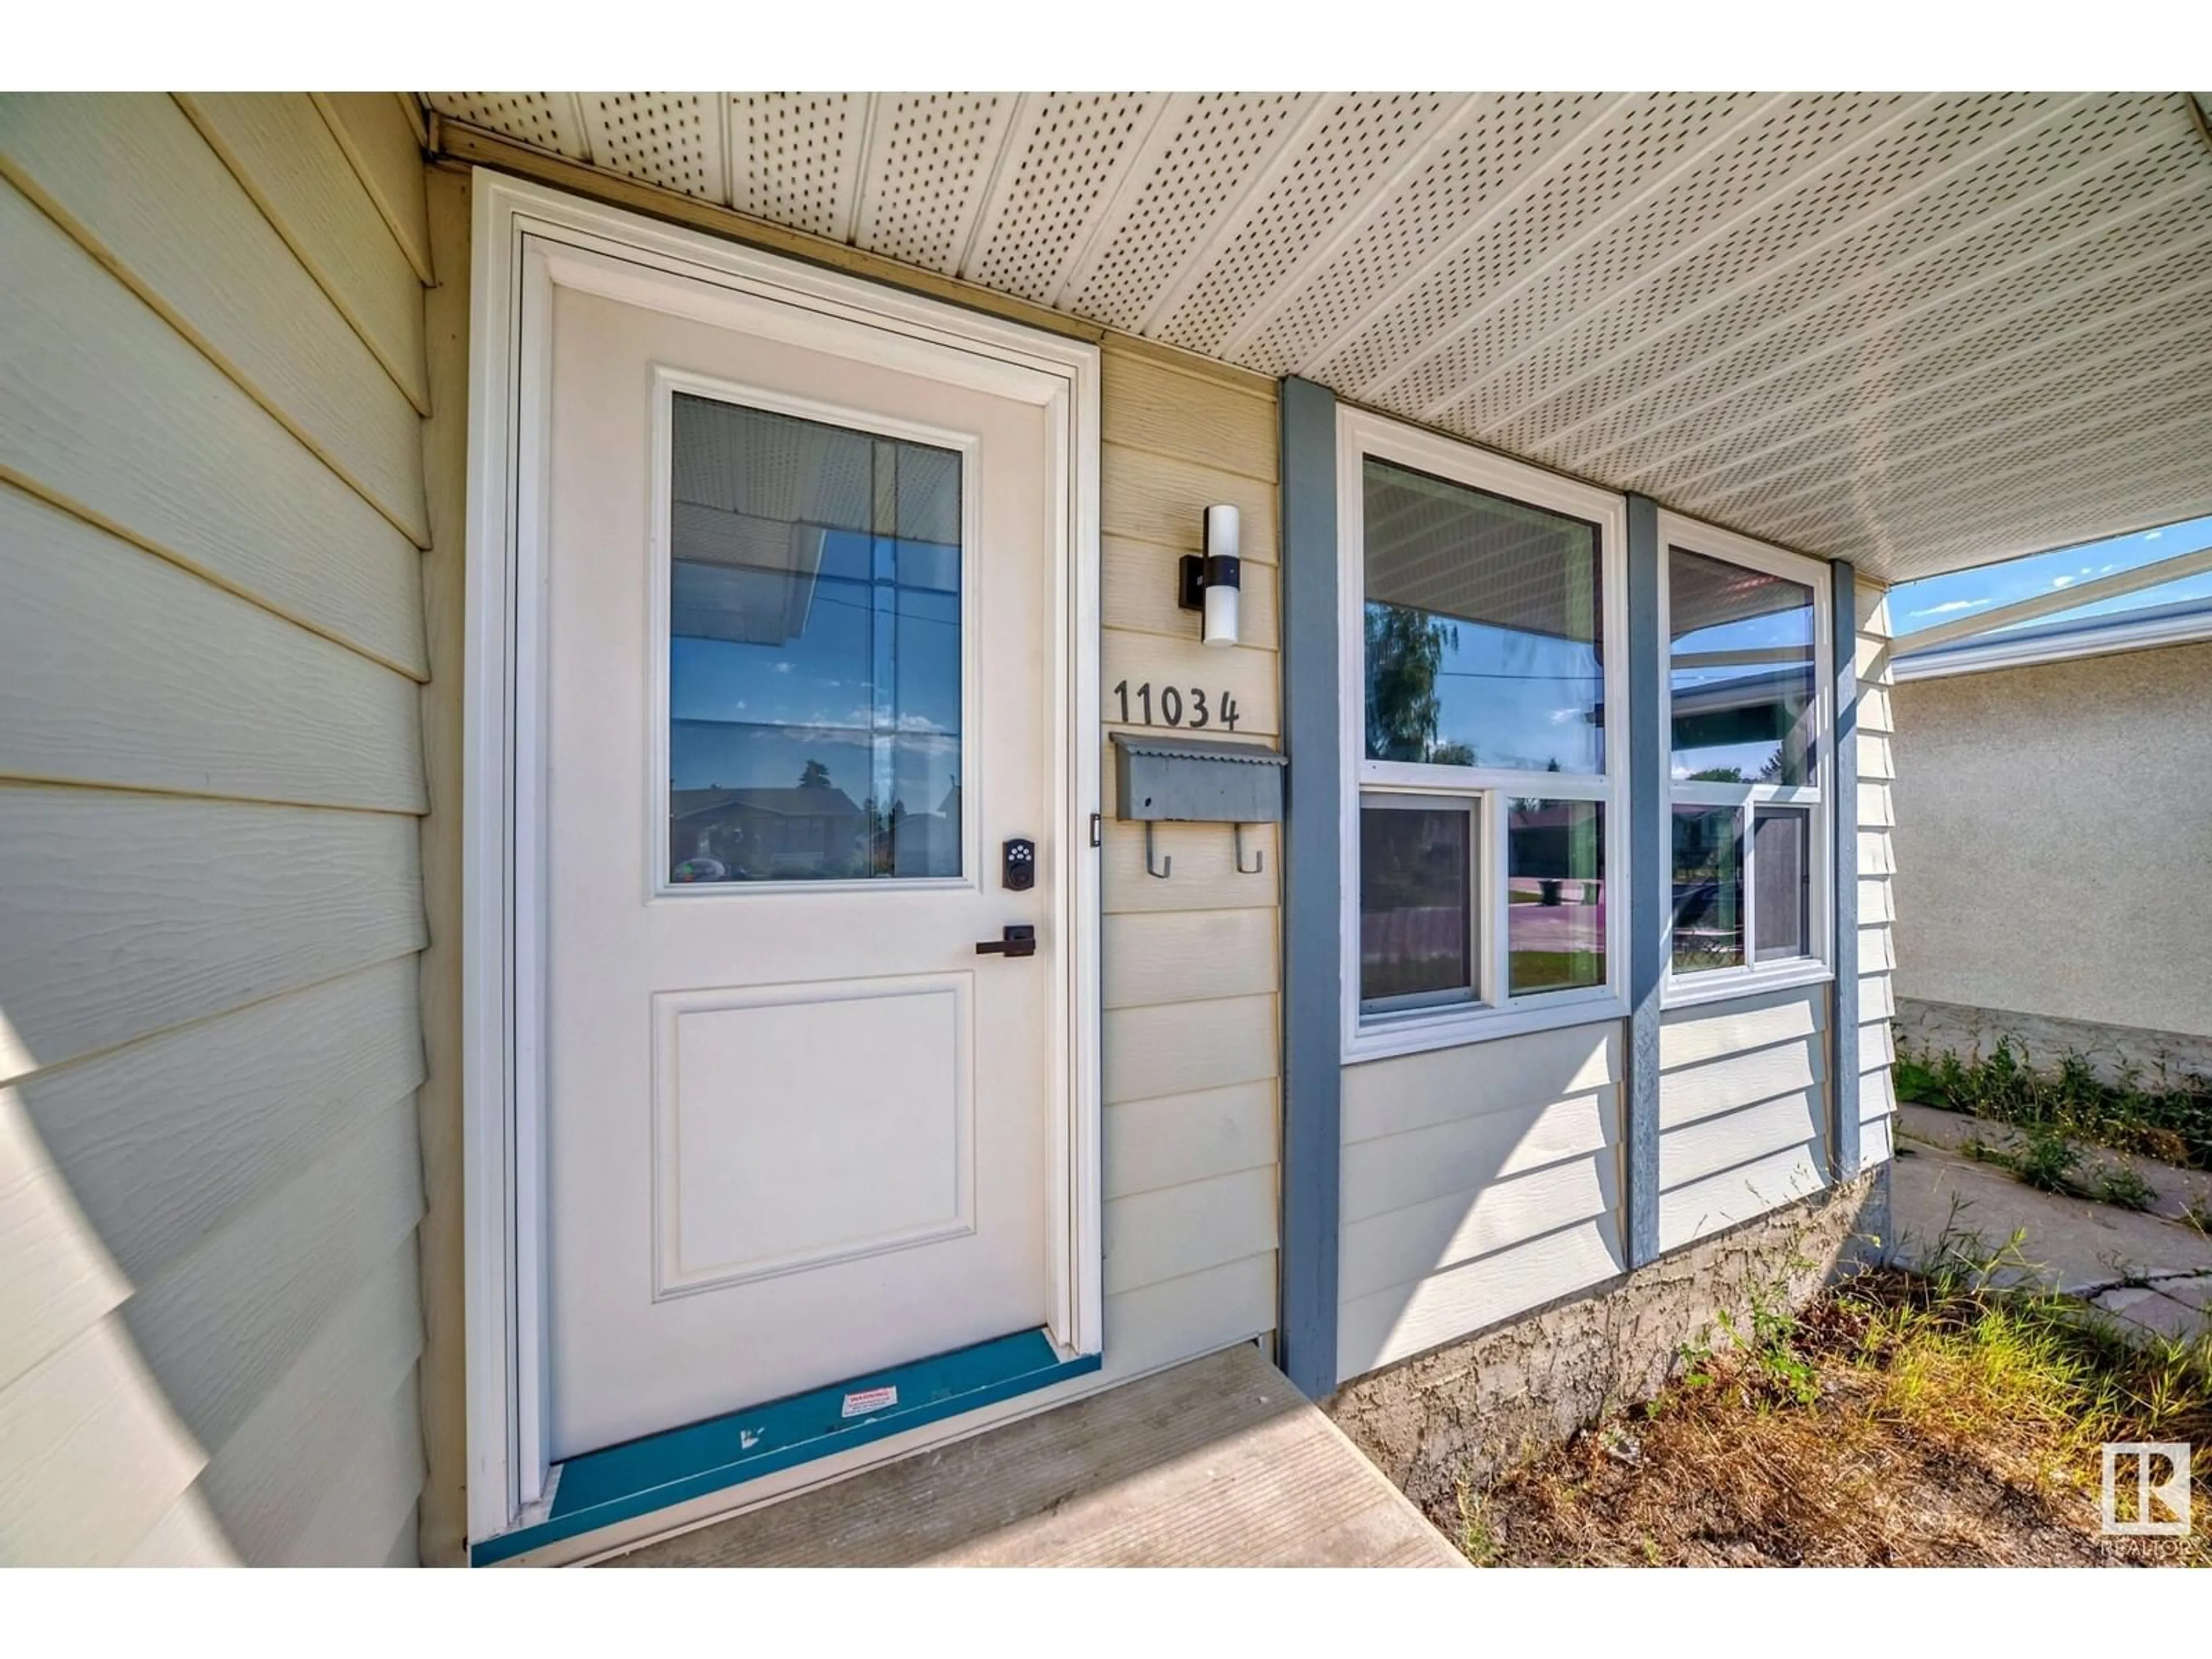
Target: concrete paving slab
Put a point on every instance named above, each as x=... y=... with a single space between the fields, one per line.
x=2144 y=1307
x=2070 y=1244
x=2177 y=1192
x=2189 y=1292
x=1216 y=1463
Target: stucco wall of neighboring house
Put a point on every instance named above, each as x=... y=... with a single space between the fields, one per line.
x=212 y=514
x=2054 y=841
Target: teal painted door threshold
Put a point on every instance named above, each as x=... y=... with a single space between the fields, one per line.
x=640 y=1476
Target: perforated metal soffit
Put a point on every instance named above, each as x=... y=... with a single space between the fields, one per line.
x=1921 y=330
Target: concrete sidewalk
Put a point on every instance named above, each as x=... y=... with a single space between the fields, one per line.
x=2141 y=1267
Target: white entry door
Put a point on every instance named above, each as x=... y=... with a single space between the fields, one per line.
x=799 y=690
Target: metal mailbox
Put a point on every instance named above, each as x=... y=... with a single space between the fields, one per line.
x=1192 y=781
x=1196 y=780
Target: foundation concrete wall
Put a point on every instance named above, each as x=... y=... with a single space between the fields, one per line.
x=1473 y=1407
x=2112 y=1051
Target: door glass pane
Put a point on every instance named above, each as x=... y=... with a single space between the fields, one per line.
x=1484 y=643
x=814 y=684
x=1781 y=873
x=1416 y=906
x=1555 y=895
x=1741 y=674
x=1708 y=898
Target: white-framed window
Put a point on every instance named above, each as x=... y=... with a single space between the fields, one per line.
x=1483 y=637
x=1747 y=705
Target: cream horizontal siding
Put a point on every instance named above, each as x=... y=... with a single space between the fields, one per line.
x=1155 y=958
x=186 y=1536
x=130 y=912
x=441 y=210
x=1477 y=1181
x=211 y=638
x=383 y=142
x=168 y=1140
x=93 y=1453
x=284 y=153
x=1195 y=1225
x=96 y=376
x=1190 y=965
x=222 y=1325
x=1877 y=867
x=134 y=183
x=1373 y=1331
x=133 y=671
x=267 y=1478
x=1743 y=1093
x=1169 y=1140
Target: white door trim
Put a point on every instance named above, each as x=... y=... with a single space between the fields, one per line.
x=526 y=240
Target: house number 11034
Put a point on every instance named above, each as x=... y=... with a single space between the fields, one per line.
x=1175 y=707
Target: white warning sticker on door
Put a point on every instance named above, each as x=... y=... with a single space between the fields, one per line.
x=869 y=1399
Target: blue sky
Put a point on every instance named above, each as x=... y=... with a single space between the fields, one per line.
x=870 y=687
x=1916 y=606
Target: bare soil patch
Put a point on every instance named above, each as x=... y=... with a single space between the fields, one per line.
x=1903 y=1420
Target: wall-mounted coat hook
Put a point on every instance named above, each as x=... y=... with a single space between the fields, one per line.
x=1165 y=867
x=1259 y=859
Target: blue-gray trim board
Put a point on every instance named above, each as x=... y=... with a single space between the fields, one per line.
x=1647 y=881
x=640 y=1476
x=1843 y=1017
x=1313 y=990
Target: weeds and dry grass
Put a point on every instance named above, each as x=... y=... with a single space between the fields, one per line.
x=1903 y=1420
x=2167 y=1116
x=2047 y=1160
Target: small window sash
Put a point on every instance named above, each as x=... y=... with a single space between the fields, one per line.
x=1717 y=984
x=1480 y=919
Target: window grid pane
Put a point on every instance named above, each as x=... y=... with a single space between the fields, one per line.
x=1742 y=683
x=1417 y=910
x=1483 y=636
x=1708 y=896
x=815 y=674
x=1555 y=896
x=1781 y=882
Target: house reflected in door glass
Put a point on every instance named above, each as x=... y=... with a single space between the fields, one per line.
x=814 y=666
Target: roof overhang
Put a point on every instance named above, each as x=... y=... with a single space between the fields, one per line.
x=2186 y=624
x=1919 y=331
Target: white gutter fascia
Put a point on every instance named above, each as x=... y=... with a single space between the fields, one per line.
x=1983 y=655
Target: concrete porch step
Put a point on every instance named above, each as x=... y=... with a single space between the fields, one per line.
x=1216 y=1463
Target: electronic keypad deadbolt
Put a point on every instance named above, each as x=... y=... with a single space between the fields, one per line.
x=1020 y=865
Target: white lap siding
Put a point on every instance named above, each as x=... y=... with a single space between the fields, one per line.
x=211 y=644
x=1877 y=833
x=1477 y=1182
x=1743 y=1103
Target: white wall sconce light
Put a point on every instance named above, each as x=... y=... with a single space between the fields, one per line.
x=1210 y=583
